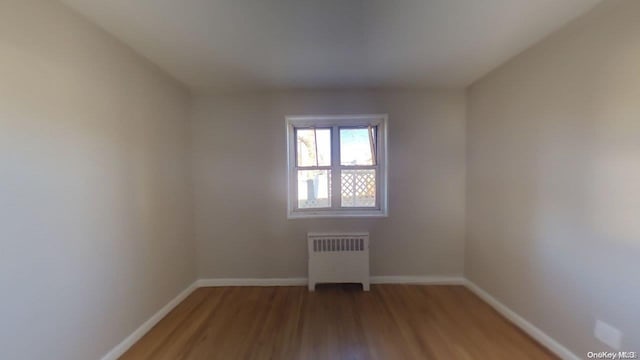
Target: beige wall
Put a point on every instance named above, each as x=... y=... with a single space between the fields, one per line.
x=553 y=180
x=95 y=224
x=240 y=183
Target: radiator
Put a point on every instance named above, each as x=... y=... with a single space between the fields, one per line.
x=338 y=258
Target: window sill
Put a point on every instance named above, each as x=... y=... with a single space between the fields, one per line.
x=337 y=214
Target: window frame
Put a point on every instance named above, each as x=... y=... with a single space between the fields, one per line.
x=335 y=123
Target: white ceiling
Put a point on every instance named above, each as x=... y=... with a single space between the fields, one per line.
x=329 y=43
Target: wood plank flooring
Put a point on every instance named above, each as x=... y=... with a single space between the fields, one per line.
x=335 y=322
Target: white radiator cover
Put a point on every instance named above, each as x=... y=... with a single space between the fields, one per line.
x=338 y=258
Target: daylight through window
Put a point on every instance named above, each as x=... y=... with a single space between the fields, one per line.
x=337 y=166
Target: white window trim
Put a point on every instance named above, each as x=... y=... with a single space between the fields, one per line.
x=335 y=121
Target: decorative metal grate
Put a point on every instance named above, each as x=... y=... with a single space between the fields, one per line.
x=358 y=188
x=340 y=244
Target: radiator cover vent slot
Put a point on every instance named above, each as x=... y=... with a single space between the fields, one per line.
x=338 y=244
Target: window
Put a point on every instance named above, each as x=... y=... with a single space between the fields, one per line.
x=337 y=166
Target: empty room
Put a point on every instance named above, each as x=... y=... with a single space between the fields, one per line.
x=319 y=179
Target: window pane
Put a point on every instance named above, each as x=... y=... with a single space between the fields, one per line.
x=306 y=147
x=314 y=189
x=358 y=188
x=355 y=147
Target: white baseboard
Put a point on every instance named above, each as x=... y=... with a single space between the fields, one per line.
x=418 y=280
x=138 y=333
x=544 y=339
x=252 y=282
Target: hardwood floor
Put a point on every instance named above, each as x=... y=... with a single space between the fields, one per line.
x=335 y=322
